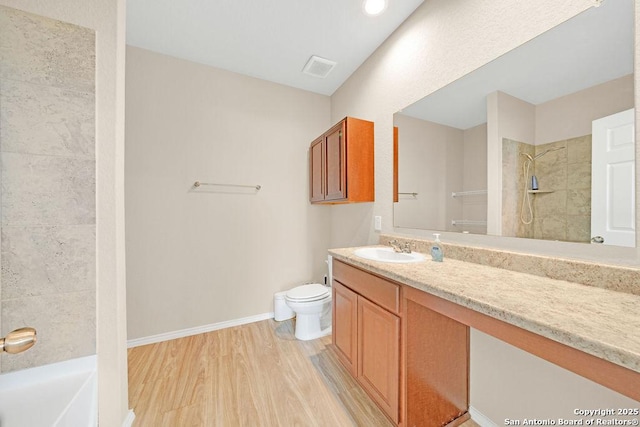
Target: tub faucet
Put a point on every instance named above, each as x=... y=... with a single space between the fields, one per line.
x=18 y=341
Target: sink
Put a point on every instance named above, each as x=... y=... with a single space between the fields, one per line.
x=388 y=255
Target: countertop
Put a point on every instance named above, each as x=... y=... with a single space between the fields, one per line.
x=600 y=322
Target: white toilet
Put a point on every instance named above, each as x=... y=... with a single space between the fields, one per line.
x=311 y=303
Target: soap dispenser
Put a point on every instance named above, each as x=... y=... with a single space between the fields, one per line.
x=437 y=254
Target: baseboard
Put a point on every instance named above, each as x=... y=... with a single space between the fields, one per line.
x=480 y=418
x=197 y=330
x=128 y=421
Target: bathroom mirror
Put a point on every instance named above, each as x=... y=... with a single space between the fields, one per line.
x=468 y=152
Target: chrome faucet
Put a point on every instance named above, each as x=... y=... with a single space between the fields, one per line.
x=399 y=247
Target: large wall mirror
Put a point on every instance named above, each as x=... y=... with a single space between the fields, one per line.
x=536 y=144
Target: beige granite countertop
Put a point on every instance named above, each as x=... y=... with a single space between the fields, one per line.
x=600 y=322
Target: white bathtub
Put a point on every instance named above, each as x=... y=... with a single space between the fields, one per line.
x=62 y=394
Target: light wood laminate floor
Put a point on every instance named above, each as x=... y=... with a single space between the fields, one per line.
x=252 y=375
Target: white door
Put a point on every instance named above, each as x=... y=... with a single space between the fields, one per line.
x=613 y=180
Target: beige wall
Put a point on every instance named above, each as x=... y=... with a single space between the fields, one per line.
x=427 y=152
x=435 y=161
x=570 y=116
x=106 y=18
x=440 y=42
x=506 y=382
x=474 y=177
x=202 y=256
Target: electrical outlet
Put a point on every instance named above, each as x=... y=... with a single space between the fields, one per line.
x=377 y=223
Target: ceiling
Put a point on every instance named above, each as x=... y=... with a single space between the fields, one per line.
x=268 y=39
x=592 y=48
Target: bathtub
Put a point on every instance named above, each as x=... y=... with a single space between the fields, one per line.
x=62 y=394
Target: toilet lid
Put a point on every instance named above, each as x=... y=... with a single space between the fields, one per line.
x=306 y=292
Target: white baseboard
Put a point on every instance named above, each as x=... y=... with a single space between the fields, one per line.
x=480 y=418
x=197 y=330
x=128 y=422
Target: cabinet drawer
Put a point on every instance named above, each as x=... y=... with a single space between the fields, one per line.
x=376 y=289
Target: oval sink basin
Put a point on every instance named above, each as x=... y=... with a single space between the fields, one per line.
x=388 y=255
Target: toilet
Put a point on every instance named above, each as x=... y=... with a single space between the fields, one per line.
x=312 y=304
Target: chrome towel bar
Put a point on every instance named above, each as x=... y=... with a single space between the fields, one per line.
x=198 y=184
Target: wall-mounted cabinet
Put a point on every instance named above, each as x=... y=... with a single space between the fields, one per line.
x=341 y=164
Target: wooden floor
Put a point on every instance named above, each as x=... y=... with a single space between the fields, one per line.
x=252 y=375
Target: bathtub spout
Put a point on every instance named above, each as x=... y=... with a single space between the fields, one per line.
x=18 y=341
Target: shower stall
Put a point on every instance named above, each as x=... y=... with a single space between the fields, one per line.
x=546 y=189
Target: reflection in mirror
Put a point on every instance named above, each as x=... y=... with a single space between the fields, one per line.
x=507 y=149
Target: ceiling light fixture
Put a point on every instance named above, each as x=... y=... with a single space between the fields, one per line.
x=374 y=7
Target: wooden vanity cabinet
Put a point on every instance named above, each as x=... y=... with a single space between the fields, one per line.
x=366 y=333
x=341 y=163
x=412 y=360
x=378 y=369
x=344 y=325
x=436 y=366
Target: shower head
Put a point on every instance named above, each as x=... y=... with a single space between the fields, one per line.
x=527 y=156
x=547 y=151
x=531 y=159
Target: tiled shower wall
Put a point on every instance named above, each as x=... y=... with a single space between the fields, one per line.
x=48 y=215
x=562 y=208
x=564 y=213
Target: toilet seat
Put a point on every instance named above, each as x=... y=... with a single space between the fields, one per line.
x=308 y=293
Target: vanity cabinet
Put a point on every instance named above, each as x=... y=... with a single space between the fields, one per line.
x=341 y=163
x=410 y=358
x=366 y=333
x=436 y=365
x=344 y=326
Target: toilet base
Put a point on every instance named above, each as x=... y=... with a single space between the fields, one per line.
x=308 y=327
x=313 y=318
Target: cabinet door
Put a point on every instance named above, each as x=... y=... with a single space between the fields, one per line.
x=316 y=170
x=379 y=355
x=437 y=363
x=344 y=326
x=336 y=182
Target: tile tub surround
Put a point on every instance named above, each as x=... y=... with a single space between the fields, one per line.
x=596 y=321
x=615 y=278
x=48 y=177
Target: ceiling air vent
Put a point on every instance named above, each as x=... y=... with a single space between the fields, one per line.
x=318 y=67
